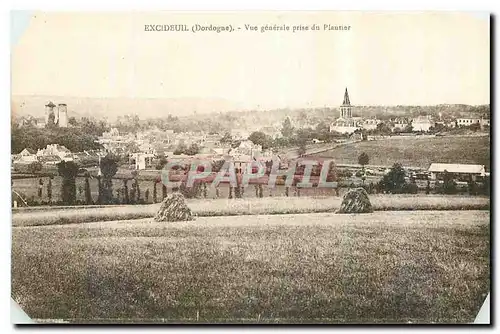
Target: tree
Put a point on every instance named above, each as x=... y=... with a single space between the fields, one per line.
x=302 y=148
x=162 y=162
x=260 y=138
x=155 y=192
x=125 y=191
x=68 y=170
x=51 y=121
x=34 y=167
x=72 y=121
x=136 y=187
x=192 y=150
x=49 y=188
x=217 y=165
x=322 y=128
x=109 y=167
x=408 y=128
x=226 y=139
x=383 y=128
x=363 y=159
x=181 y=149
x=40 y=188
x=449 y=185
x=88 y=195
x=475 y=127
x=394 y=181
x=287 y=129
x=163 y=191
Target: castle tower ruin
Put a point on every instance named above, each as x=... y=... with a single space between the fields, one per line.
x=49 y=110
x=63 y=115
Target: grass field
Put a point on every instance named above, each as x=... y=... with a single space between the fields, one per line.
x=246 y=206
x=419 y=266
x=416 y=152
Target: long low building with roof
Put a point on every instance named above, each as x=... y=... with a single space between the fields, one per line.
x=462 y=172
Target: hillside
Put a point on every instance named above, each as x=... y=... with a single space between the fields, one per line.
x=416 y=152
x=201 y=110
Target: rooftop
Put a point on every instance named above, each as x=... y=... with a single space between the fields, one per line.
x=457 y=168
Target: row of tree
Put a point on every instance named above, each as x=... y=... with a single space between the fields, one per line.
x=76 y=139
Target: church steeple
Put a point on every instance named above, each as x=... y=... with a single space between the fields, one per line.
x=346 y=98
x=345 y=108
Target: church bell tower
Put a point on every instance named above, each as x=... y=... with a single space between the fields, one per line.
x=345 y=108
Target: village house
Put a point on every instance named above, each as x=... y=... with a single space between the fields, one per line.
x=49 y=159
x=247 y=147
x=56 y=150
x=467 y=121
x=399 y=124
x=27 y=156
x=142 y=160
x=370 y=124
x=461 y=172
x=222 y=150
x=421 y=123
x=206 y=154
x=485 y=122
x=211 y=141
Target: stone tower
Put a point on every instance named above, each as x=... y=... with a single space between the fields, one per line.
x=63 y=115
x=345 y=108
x=49 y=109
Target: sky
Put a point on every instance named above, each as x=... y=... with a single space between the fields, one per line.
x=384 y=59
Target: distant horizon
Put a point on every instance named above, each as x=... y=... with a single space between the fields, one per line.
x=52 y=98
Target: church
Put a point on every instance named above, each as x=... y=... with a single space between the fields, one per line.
x=345 y=123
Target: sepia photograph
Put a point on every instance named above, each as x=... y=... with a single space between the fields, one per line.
x=250 y=167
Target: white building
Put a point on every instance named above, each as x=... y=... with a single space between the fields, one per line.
x=27 y=156
x=400 y=124
x=345 y=123
x=57 y=150
x=467 y=121
x=459 y=171
x=370 y=124
x=421 y=123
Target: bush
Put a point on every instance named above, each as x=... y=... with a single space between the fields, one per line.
x=394 y=181
x=443 y=188
x=191 y=192
x=410 y=188
x=343 y=173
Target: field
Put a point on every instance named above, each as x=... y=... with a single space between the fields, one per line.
x=247 y=206
x=399 y=267
x=415 y=151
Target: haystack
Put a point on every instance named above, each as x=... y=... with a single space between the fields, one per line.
x=356 y=201
x=173 y=209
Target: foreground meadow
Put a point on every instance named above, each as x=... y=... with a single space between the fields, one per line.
x=246 y=206
x=398 y=267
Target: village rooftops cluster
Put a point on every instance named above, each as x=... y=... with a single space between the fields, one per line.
x=346 y=123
